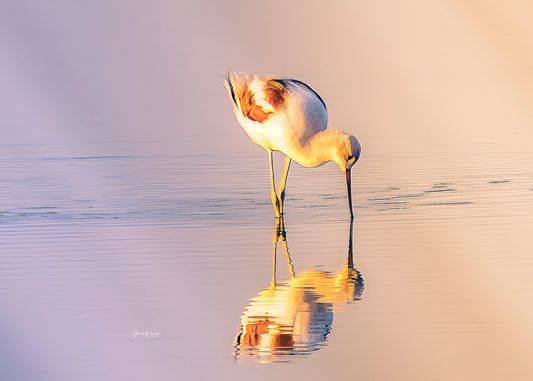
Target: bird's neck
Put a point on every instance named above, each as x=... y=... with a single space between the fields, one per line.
x=321 y=148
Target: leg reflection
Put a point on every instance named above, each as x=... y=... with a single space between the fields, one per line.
x=280 y=234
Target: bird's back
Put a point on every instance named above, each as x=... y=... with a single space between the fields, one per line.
x=277 y=114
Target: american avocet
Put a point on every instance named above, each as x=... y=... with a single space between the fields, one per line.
x=289 y=116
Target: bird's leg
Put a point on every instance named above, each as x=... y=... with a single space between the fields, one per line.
x=283 y=236
x=282 y=185
x=273 y=195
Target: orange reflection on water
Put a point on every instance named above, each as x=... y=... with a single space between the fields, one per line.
x=294 y=317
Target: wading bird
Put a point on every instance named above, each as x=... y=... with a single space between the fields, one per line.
x=289 y=116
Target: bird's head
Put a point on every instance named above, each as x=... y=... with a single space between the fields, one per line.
x=347 y=151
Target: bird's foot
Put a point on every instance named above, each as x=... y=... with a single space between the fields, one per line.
x=280 y=225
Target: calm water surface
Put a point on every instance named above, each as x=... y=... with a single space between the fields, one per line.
x=127 y=261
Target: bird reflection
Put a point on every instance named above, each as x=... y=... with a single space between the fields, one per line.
x=294 y=317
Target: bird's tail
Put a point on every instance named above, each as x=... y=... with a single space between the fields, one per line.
x=235 y=83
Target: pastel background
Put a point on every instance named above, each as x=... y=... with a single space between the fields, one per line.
x=130 y=199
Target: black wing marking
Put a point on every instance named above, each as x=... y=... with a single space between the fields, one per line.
x=293 y=82
x=228 y=80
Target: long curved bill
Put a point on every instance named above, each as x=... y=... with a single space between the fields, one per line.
x=349 y=186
